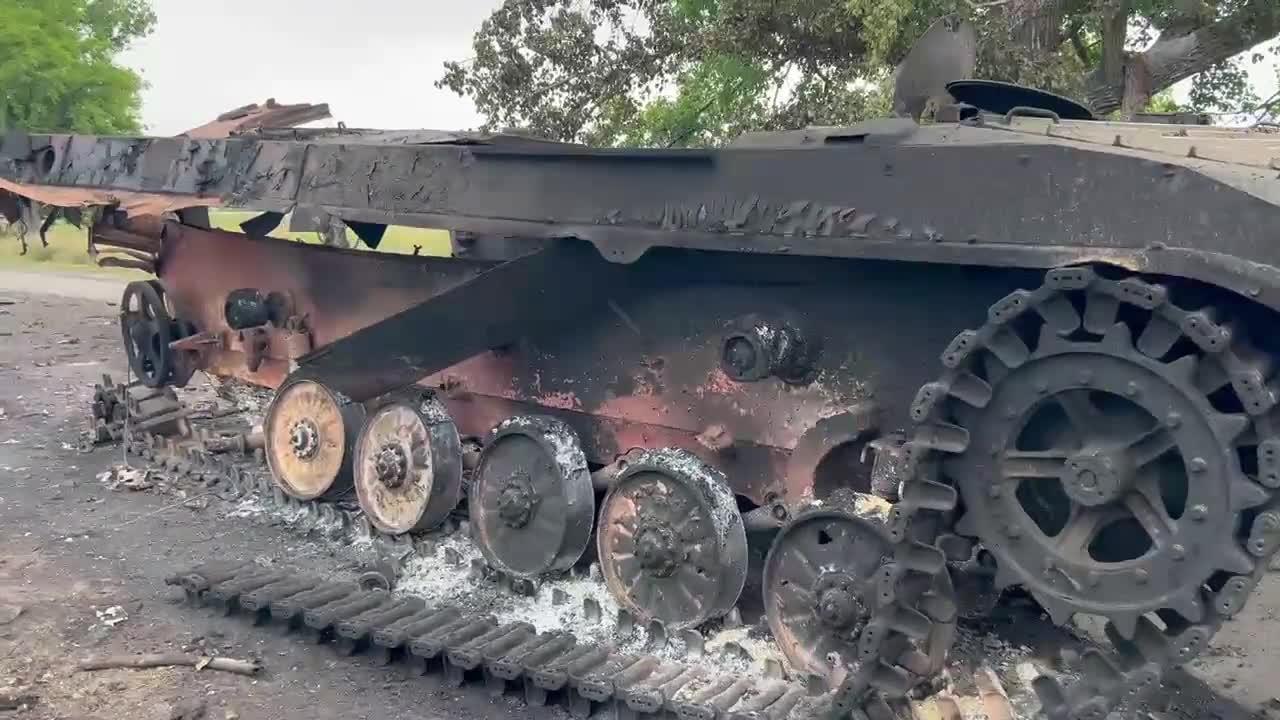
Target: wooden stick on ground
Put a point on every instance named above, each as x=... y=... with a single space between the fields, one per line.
x=241 y=667
x=12 y=700
x=994 y=698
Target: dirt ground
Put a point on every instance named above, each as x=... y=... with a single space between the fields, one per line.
x=82 y=569
x=82 y=566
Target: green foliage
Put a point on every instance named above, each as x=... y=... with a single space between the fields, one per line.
x=714 y=101
x=700 y=72
x=58 y=69
x=1164 y=102
x=1223 y=87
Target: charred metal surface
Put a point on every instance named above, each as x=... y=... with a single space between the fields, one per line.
x=408 y=464
x=554 y=668
x=531 y=501
x=880 y=196
x=1149 y=459
x=139 y=408
x=1005 y=98
x=147 y=330
x=310 y=438
x=492 y=247
x=757 y=347
x=494 y=309
x=821 y=580
x=331 y=293
x=753 y=470
x=253 y=117
x=833 y=454
x=671 y=543
x=257 y=118
x=661 y=383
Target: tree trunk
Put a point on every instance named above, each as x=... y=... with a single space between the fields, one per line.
x=334 y=233
x=1037 y=24
x=1172 y=59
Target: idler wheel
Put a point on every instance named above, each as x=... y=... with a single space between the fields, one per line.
x=147 y=330
x=408 y=465
x=309 y=433
x=531 y=502
x=671 y=541
x=821 y=583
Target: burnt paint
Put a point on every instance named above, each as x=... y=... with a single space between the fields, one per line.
x=640 y=366
x=903 y=193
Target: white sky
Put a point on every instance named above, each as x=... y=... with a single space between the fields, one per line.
x=374 y=61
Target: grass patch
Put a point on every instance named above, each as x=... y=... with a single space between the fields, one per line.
x=398 y=239
x=68 y=246
x=67 y=252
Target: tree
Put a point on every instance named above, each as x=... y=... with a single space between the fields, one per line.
x=58 y=68
x=696 y=72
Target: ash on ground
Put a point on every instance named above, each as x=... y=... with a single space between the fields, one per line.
x=444 y=571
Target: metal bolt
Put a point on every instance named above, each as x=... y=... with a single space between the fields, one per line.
x=1198 y=465
x=1141 y=575
x=1173 y=420
x=995 y=491
x=1198 y=512
x=1042 y=387
x=1013 y=531
x=1010 y=413
x=1178 y=552
x=1132 y=389
x=1093 y=578
x=1086 y=377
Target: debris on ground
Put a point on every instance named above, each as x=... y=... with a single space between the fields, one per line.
x=112 y=616
x=128 y=478
x=994 y=699
x=199 y=662
x=17 y=700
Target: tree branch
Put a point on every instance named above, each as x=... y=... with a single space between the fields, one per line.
x=1038 y=24
x=1115 y=30
x=1173 y=59
x=1077 y=44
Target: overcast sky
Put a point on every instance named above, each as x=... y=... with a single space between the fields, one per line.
x=374 y=61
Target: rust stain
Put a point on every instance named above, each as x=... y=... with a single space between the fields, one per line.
x=562 y=400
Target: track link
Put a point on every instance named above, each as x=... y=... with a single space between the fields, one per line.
x=551 y=669
x=926 y=513
x=548 y=668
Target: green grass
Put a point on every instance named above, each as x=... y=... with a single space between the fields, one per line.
x=68 y=251
x=398 y=238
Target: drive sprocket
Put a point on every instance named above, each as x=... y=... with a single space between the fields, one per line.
x=1113 y=452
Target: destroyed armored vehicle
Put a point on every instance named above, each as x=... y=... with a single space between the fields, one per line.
x=815 y=376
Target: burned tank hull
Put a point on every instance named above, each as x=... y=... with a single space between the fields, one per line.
x=1044 y=340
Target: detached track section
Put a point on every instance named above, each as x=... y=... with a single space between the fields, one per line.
x=466 y=647
x=547 y=668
